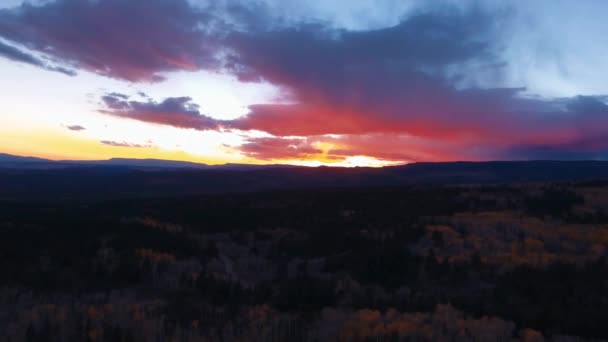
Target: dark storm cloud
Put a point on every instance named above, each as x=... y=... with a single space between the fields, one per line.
x=397 y=82
x=400 y=84
x=17 y=55
x=392 y=79
x=175 y=111
x=319 y=54
x=588 y=104
x=584 y=128
x=134 y=40
x=554 y=153
x=401 y=81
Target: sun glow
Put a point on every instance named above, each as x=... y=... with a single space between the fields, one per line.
x=364 y=161
x=57 y=145
x=352 y=161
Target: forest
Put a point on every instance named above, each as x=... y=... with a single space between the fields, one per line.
x=501 y=262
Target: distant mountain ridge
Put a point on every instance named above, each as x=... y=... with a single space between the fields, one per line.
x=8 y=161
x=9 y=158
x=119 y=178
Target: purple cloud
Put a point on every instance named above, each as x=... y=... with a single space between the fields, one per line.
x=134 y=40
x=17 y=55
x=174 y=111
x=395 y=84
x=75 y=128
x=122 y=144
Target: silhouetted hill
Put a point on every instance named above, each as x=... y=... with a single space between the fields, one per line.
x=9 y=158
x=8 y=161
x=123 y=180
x=17 y=162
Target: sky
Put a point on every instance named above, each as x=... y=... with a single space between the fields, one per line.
x=316 y=82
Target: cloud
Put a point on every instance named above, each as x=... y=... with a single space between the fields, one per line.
x=131 y=40
x=174 y=111
x=122 y=144
x=401 y=92
x=402 y=85
x=314 y=52
x=567 y=152
x=75 y=128
x=499 y=125
x=388 y=147
x=583 y=124
x=354 y=82
x=17 y=55
x=269 y=148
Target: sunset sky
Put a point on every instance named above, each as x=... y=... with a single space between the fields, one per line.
x=342 y=82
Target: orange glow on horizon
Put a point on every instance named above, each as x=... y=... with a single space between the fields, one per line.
x=57 y=145
x=54 y=145
x=353 y=161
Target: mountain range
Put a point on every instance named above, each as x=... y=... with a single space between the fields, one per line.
x=26 y=177
x=8 y=161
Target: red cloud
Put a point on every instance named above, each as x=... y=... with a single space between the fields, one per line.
x=387 y=147
x=388 y=93
x=279 y=148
